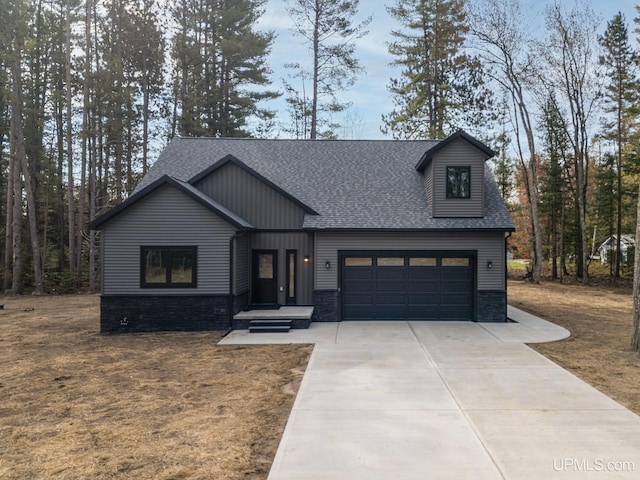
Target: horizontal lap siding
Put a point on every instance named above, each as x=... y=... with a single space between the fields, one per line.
x=458 y=154
x=167 y=217
x=251 y=198
x=490 y=247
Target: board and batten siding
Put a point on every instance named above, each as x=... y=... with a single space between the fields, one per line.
x=458 y=154
x=166 y=217
x=283 y=241
x=490 y=247
x=251 y=199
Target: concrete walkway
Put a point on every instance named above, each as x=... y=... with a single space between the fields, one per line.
x=442 y=400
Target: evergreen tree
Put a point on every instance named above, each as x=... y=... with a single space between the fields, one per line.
x=552 y=179
x=327 y=25
x=621 y=95
x=441 y=88
x=218 y=58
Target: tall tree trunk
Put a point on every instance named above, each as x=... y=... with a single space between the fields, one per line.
x=69 y=136
x=17 y=140
x=16 y=228
x=8 y=237
x=316 y=73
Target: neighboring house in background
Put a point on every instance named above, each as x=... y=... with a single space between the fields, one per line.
x=608 y=247
x=359 y=230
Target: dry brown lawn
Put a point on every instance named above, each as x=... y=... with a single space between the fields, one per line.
x=78 y=404
x=600 y=321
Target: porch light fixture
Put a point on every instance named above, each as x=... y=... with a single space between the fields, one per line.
x=306 y=259
x=327 y=265
x=489 y=264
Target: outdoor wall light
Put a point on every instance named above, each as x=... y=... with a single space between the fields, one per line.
x=306 y=259
x=489 y=264
x=327 y=265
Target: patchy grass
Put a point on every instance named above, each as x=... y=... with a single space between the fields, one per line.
x=78 y=404
x=600 y=321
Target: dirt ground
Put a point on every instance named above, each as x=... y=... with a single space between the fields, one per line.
x=78 y=404
x=600 y=321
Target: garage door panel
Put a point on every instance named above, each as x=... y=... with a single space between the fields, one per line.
x=359 y=286
x=422 y=313
x=461 y=298
x=389 y=286
x=358 y=273
x=423 y=299
x=389 y=299
x=423 y=273
x=359 y=299
x=409 y=287
x=358 y=313
x=390 y=273
x=421 y=286
x=455 y=273
x=455 y=286
x=389 y=312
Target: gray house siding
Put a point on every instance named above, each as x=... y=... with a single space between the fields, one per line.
x=428 y=184
x=251 y=199
x=165 y=218
x=241 y=265
x=303 y=244
x=490 y=248
x=490 y=283
x=458 y=154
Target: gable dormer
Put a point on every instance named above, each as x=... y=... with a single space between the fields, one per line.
x=454 y=176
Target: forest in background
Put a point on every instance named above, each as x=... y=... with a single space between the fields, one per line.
x=91 y=91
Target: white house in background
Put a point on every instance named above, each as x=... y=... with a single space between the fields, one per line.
x=608 y=247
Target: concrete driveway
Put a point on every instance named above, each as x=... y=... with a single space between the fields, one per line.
x=442 y=400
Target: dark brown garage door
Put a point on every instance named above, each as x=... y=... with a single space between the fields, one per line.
x=421 y=286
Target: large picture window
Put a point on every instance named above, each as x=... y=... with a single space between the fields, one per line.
x=168 y=267
x=458 y=182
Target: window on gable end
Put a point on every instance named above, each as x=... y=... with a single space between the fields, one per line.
x=168 y=267
x=458 y=182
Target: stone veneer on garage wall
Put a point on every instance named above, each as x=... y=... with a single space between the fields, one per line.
x=492 y=306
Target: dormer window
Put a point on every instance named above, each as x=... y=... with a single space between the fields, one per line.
x=458 y=182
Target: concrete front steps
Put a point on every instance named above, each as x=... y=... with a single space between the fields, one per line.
x=282 y=319
x=269 y=326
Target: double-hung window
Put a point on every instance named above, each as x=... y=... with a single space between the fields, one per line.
x=168 y=267
x=458 y=182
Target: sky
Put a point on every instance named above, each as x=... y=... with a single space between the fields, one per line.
x=369 y=96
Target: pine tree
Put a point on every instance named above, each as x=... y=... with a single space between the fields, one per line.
x=441 y=88
x=327 y=25
x=218 y=58
x=621 y=95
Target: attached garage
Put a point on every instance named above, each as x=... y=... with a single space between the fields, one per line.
x=423 y=285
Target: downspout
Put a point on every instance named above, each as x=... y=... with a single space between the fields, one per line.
x=231 y=265
x=506 y=275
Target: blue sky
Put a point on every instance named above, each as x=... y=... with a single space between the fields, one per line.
x=369 y=96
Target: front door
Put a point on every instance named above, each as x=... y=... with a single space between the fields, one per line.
x=265 y=277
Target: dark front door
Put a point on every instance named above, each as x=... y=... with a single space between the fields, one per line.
x=265 y=277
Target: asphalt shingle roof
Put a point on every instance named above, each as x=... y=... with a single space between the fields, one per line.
x=351 y=184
